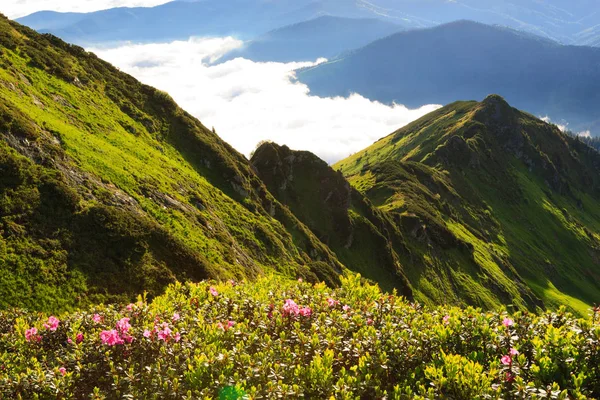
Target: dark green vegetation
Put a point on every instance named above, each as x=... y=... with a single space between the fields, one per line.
x=496 y=206
x=364 y=238
x=278 y=338
x=108 y=188
x=589 y=140
x=468 y=60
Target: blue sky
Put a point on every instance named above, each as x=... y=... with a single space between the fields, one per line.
x=20 y=8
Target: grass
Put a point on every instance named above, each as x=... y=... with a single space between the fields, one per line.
x=521 y=195
x=154 y=196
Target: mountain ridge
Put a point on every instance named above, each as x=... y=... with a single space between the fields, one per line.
x=322 y=37
x=466 y=59
x=109 y=188
x=504 y=182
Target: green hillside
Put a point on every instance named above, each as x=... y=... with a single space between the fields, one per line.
x=365 y=239
x=108 y=188
x=497 y=206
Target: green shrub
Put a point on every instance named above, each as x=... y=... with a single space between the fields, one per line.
x=277 y=338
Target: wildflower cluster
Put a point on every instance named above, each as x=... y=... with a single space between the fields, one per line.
x=119 y=335
x=276 y=338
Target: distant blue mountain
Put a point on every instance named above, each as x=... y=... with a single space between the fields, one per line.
x=245 y=19
x=469 y=60
x=566 y=21
x=320 y=37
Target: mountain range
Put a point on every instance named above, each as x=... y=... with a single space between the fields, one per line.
x=109 y=189
x=324 y=36
x=469 y=60
x=569 y=22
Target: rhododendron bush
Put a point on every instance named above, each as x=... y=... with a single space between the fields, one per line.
x=276 y=338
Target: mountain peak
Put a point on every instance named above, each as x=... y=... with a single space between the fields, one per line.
x=495 y=100
x=500 y=180
x=496 y=110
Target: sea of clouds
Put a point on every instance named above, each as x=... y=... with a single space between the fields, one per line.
x=247 y=102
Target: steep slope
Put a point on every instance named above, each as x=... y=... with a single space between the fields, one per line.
x=522 y=196
x=470 y=60
x=321 y=37
x=108 y=188
x=362 y=237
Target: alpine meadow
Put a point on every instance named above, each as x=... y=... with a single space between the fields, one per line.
x=458 y=257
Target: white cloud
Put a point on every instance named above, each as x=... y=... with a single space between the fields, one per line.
x=585 y=134
x=563 y=127
x=20 y=8
x=247 y=101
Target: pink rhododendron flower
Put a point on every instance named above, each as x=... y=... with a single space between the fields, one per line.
x=305 y=311
x=63 y=371
x=506 y=360
x=507 y=322
x=32 y=336
x=177 y=337
x=52 y=323
x=232 y=282
x=97 y=318
x=290 y=308
x=213 y=291
x=225 y=326
x=446 y=319
x=147 y=333
x=332 y=302
x=164 y=334
x=369 y=321
x=123 y=325
x=130 y=306
x=79 y=337
x=69 y=340
x=176 y=317
x=346 y=307
x=111 y=337
x=514 y=352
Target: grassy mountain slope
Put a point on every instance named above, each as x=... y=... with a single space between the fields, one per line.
x=362 y=237
x=320 y=37
x=108 y=188
x=520 y=195
x=469 y=60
